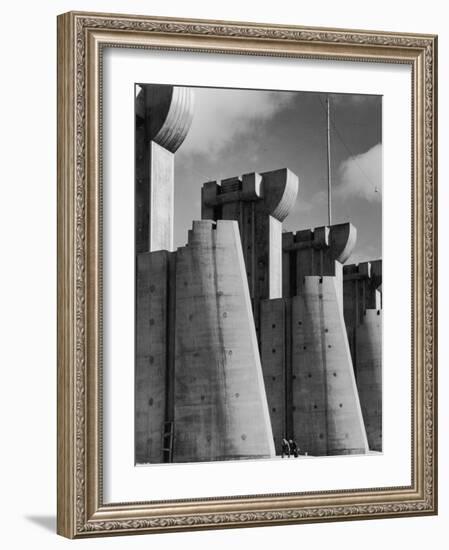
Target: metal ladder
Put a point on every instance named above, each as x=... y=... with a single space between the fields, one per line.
x=167 y=441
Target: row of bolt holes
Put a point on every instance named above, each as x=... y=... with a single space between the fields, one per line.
x=203 y=397
x=299 y=323
x=273 y=351
x=304 y=347
x=152 y=288
x=315 y=406
x=151 y=401
x=309 y=375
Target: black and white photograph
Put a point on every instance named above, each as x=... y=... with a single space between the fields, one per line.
x=258 y=274
x=222 y=240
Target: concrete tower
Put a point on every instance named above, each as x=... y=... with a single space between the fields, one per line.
x=259 y=203
x=296 y=286
x=305 y=354
x=163 y=118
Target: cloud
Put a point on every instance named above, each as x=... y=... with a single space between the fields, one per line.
x=361 y=176
x=303 y=205
x=220 y=115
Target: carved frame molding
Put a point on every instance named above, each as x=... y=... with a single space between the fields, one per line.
x=81 y=38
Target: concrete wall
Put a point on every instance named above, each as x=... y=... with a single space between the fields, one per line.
x=161 y=205
x=369 y=375
x=142 y=187
x=221 y=409
x=273 y=356
x=363 y=318
x=327 y=417
x=151 y=355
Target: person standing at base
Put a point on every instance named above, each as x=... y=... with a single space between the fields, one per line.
x=292 y=446
x=294 y=449
x=285 y=448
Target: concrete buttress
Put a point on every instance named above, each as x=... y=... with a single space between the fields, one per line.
x=220 y=406
x=326 y=417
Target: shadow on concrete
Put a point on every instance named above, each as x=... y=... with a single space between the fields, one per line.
x=46 y=522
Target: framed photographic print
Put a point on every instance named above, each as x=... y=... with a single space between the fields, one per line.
x=246 y=274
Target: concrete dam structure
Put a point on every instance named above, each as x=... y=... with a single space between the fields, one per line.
x=296 y=283
x=246 y=335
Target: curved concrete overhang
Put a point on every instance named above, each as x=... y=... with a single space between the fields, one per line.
x=168 y=113
x=279 y=190
x=342 y=239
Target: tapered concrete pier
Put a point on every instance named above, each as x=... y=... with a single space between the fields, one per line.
x=220 y=407
x=308 y=371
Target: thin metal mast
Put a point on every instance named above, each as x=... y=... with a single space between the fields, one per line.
x=329 y=176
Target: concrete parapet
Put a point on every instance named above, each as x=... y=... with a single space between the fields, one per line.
x=320 y=251
x=220 y=406
x=275 y=193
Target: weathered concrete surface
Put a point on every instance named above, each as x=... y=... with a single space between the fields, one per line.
x=163 y=118
x=220 y=402
x=273 y=356
x=259 y=203
x=361 y=284
x=327 y=418
x=168 y=112
x=369 y=375
x=142 y=188
x=162 y=177
x=323 y=407
x=151 y=355
x=363 y=317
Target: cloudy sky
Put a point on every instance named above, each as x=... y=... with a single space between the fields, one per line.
x=238 y=131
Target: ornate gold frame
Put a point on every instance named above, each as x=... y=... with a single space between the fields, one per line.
x=81 y=37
